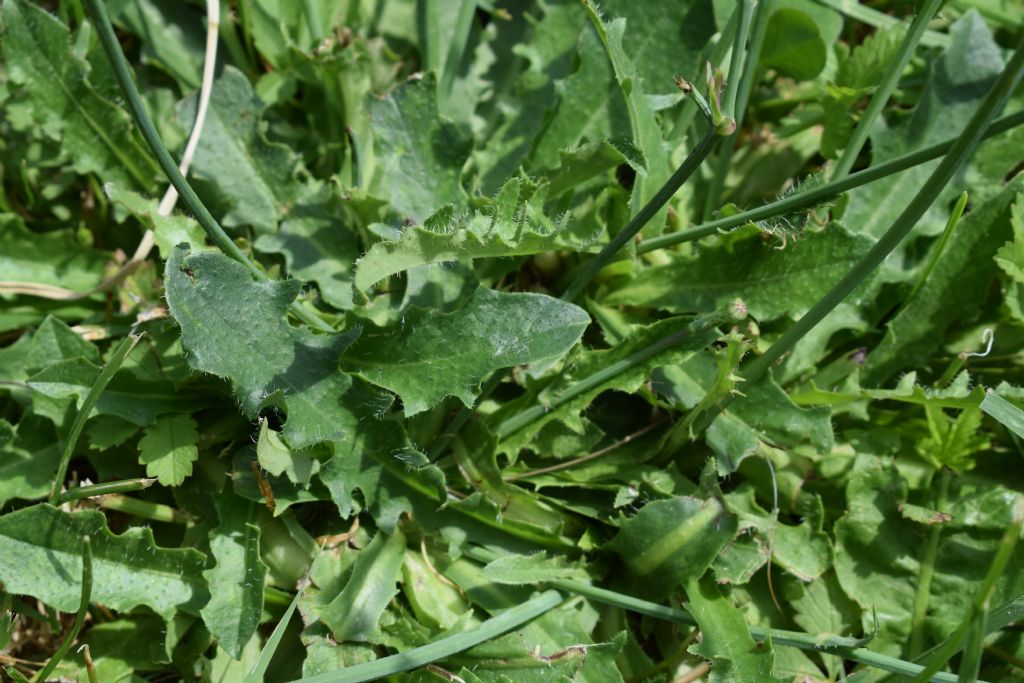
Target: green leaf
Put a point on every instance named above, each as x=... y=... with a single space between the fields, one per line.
x=513 y=225
x=958 y=80
x=960 y=279
x=519 y=570
x=236 y=581
x=168 y=231
x=354 y=614
x=1010 y=256
x=235 y=327
x=725 y=636
x=50 y=258
x=646 y=132
x=766 y=415
x=94 y=133
x=168 y=449
x=772 y=282
x=664 y=38
x=277 y=458
x=241 y=175
x=418 y=151
x=172 y=36
x=28 y=459
x=428 y=355
x=40 y=556
x=793 y=46
x=670 y=542
x=318 y=248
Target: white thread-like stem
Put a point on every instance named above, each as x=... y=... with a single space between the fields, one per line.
x=170 y=197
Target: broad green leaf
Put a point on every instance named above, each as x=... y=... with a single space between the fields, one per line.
x=670 y=542
x=664 y=38
x=771 y=281
x=237 y=580
x=95 y=134
x=513 y=225
x=420 y=153
x=764 y=414
x=961 y=278
x=354 y=614
x=793 y=46
x=54 y=341
x=168 y=449
x=50 y=258
x=958 y=80
x=240 y=174
x=28 y=459
x=168 y=231
x=433 y=600
x=235 y=327
x=725 y=636
x=318 y=248
x=428 y=356
x=40 y=556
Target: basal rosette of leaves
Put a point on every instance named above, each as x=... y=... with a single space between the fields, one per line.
x=384 y=370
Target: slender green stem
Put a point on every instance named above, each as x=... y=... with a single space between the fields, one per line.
x=106 y=488
x=122 y=71
x=723 y=161
x=819 y=194
x=955 y=157
x=885 y=88
x=511 y=618
x=848 y=648
x=108 y=372
x=456 y=48
x=83 y=610
x=923 y=591
x=872 y=17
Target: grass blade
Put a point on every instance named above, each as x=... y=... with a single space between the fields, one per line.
x=1004 y=412
x=445 y=647
x=83 y=609
x=123 y=486
x=117 y=358
x=456 y=48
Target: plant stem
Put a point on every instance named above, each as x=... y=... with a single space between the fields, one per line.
x=108 y=372
x=923 y=590
x=764 y=10
x=901 y=227
x=443 y=648
x=848 y=648
x=83 y=609
x=312 y=12
x=939 y=247
x=736 y=61
x=811 y=197
x=112 y=48
x=107 y=488
x=885 y=88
